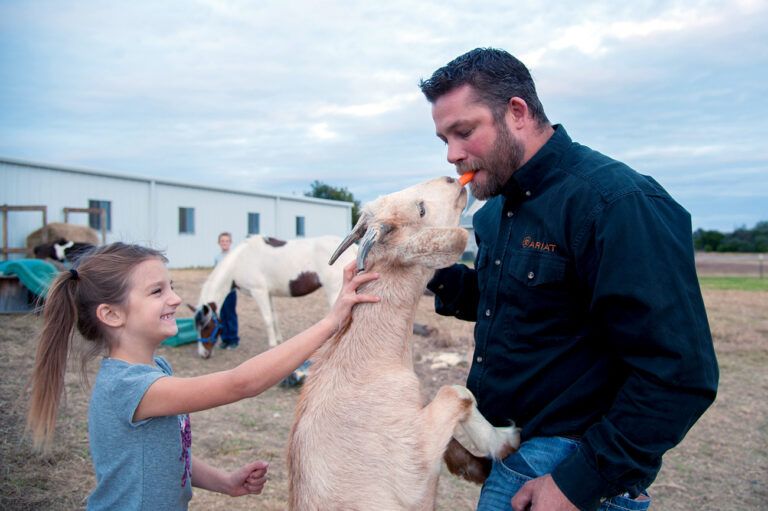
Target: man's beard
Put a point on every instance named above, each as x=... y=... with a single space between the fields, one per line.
x=504 y=159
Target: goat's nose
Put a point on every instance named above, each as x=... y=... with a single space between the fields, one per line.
x=450 y=180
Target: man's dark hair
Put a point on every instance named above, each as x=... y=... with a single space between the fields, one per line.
x=495 y=75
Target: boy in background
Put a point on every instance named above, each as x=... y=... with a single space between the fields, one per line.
x=228 y=314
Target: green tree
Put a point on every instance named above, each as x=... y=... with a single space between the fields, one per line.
x=322 y=190
x=708 y=241
x=742 y=239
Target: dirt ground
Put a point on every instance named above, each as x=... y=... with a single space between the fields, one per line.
x=722 y=463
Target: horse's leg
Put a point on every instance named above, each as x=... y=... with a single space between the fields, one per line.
x=264 y=301
x=275 y=322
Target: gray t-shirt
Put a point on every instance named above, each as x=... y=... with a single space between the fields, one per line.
x=219 y=257
x=144 y=465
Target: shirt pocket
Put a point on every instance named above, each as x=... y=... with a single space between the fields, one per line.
x=537 y=270
x=541 y=296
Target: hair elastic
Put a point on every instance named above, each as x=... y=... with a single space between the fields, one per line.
x=73 y=274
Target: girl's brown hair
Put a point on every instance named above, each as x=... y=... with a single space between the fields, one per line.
x=101 y=276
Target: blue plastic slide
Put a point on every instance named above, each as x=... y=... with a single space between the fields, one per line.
x=187 y=333
x=34 y=274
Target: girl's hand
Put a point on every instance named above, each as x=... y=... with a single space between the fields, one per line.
x=348 y=296
x=249 y=479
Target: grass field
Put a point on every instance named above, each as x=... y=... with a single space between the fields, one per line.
x=721 y=464
x=734 y=283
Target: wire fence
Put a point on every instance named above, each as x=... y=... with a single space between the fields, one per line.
x=731 y=264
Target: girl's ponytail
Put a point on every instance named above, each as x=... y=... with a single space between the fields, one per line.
x=55 y=343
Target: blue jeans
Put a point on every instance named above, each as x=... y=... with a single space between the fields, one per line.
x=228 y=317
x=537 y=457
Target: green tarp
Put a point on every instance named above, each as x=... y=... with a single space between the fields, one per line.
x=34 y=274
x=187 y=333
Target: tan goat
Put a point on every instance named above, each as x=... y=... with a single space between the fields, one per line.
x=362 y=438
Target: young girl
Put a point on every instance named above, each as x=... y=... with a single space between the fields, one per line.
x=121 y=299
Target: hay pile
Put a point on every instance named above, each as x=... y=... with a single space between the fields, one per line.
x=70 y=232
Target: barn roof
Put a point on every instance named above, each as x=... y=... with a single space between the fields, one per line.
x=148 y=179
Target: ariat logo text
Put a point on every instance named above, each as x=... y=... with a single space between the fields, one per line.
x=538 y=245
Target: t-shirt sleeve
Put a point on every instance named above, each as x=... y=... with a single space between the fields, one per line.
x=130 y=387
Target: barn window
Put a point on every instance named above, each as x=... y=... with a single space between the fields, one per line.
x=186 y=220
x=300 y=226
x=253 y=223
x=94 y=219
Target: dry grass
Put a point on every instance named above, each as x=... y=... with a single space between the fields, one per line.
x=722 y=464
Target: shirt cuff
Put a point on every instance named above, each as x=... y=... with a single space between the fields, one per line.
x=446 y=284
x=580 y=482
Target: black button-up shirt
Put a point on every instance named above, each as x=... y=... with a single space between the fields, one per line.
x=589 y=317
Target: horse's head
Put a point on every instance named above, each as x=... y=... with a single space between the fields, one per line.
x=208 y=328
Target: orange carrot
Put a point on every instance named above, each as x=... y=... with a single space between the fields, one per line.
x=466 y=178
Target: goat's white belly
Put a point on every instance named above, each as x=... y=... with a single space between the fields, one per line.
x=364 y=449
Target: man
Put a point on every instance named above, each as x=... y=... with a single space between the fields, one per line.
x=590 y=331
x=228 y=316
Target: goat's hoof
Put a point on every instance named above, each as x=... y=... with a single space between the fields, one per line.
x=510 y=436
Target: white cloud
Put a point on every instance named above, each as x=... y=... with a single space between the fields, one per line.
x=277 y=94
x=673 y=151
x=372 y=109
x=321 y=131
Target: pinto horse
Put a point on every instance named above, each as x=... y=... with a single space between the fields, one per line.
x=263 y=268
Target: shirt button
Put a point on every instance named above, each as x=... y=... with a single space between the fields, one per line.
x=510 y=214
x=487 y=312
x=531 y=275
x=479 y=360
x=527 y=193
x=497 y=262
x=441 y=286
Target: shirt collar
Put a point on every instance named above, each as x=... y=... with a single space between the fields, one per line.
x=524 y=181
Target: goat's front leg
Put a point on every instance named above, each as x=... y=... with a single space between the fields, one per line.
x=454 y=407
x=482 y=438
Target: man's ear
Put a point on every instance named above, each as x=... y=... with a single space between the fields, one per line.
x=517 y=111
x=110 y=315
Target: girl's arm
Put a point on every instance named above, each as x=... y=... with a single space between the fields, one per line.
x=247 y=479
x=172 y=395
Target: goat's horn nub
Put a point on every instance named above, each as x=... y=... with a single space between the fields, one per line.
x=352 y=237
x=372 y=236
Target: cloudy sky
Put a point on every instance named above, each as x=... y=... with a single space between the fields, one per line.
x=271 y=95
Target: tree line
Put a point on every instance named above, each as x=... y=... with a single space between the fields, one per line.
x=740 y=240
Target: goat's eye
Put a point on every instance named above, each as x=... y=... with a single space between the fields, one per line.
x=422 y=209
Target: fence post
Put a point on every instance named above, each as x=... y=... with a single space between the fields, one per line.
x=761 y=257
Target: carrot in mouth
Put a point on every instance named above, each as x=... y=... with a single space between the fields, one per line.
x=466 y=178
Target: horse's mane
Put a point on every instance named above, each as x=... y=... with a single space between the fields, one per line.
x=219 y=282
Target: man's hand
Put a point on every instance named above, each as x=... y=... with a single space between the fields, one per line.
x=541 y=494
x=248 y=479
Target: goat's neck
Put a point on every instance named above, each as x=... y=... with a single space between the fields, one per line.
x=381 y=332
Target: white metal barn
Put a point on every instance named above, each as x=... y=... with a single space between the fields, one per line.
x=182 y=219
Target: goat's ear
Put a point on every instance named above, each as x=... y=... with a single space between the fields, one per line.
x=434 y=247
